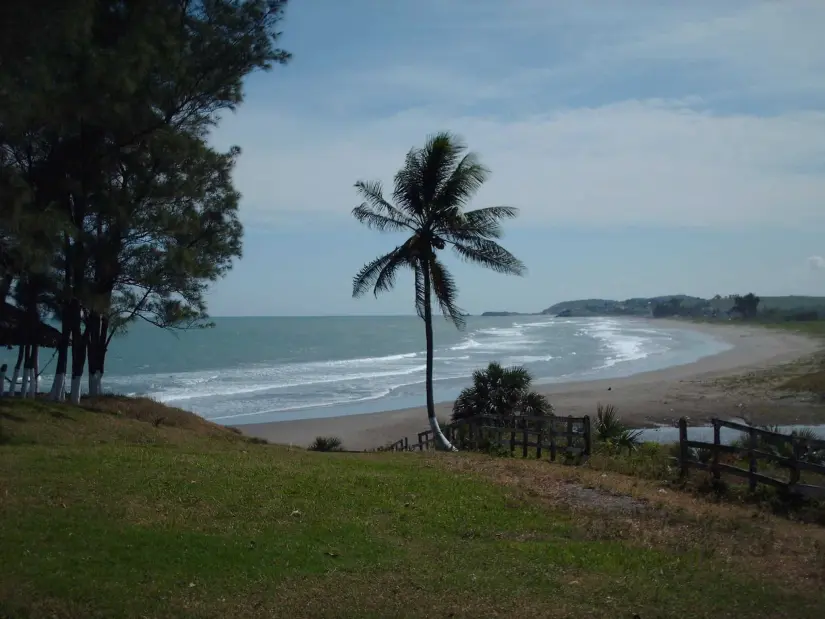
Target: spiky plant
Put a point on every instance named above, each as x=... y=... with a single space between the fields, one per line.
x=630 y=440
x=429 y=196
x=609 y=426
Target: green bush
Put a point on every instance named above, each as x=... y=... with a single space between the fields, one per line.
x=326 y=443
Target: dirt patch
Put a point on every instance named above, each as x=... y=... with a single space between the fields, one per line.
x=592 y=498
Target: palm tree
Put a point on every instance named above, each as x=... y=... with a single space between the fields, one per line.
x=500 y=391
x=429 y=194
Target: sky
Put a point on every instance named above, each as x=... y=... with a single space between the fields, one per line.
x=652 y=147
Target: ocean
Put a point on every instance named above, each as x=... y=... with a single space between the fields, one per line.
x=254 y=370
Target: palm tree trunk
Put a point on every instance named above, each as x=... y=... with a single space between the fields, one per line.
x=440 y=439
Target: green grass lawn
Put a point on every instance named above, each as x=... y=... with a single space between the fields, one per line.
x=108 y=512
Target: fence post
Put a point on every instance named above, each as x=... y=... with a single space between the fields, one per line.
x=683 y=448
x=752 y=459
x=406 y=443
x=553 y=439
x=587 y=435
x=795 y=454
x=525 y=439
x=569 y=432
x=512 y=423
x=717 y=441
x=539 y=439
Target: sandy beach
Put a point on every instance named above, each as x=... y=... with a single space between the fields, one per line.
x=733 y=383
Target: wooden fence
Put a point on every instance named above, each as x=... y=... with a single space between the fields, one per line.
x=531 y=436
x=754 y=448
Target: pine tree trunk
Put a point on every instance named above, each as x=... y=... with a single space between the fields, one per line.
x=96 y=347
x=17 y=367
x=78 y=353
x=58 y=391
x=441 y=440
x=34 y=379
x=24 y=384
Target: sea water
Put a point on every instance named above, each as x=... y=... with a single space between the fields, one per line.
x=253 y=370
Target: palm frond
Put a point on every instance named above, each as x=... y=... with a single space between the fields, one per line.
x=464 y=181
x=516 y=378
x=535 y=404
x=446 y=292
x=386 y=277
x=370 y=272
x=479 y=223
x=365 y=215
x=376 y=212
x=489 y=254
x=440 y=162
x=407 y=186
x=487 y=221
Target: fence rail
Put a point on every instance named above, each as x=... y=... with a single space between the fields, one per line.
x=797 y=448
x=548 y=434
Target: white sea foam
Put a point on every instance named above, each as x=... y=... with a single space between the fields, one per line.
x=620 y=342
x=553 y=349
x=529 y=359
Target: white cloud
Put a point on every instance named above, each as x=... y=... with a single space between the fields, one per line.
x=623 y=159
x=817 y=263
x=634 y=162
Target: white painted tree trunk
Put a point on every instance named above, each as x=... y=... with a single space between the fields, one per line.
x=17 y=367
x=3 y=369
x=34 y=378
x=95 y=381
x=58 y=391
x=14 y=378
x=74 y=396
x=24 y=385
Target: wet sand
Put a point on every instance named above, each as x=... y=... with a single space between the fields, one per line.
x=728 y=384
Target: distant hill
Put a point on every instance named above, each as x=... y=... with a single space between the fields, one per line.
x=685 y=305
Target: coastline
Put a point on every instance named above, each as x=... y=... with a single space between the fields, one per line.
x=645 y=399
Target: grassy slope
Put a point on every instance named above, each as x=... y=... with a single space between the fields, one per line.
x=107 y=516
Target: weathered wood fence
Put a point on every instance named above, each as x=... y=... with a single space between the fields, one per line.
x=532 y=436
x=753 y=449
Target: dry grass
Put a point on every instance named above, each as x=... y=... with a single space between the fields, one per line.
x=654 y=514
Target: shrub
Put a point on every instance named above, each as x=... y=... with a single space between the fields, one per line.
x=608 y=425
x=326 y=443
